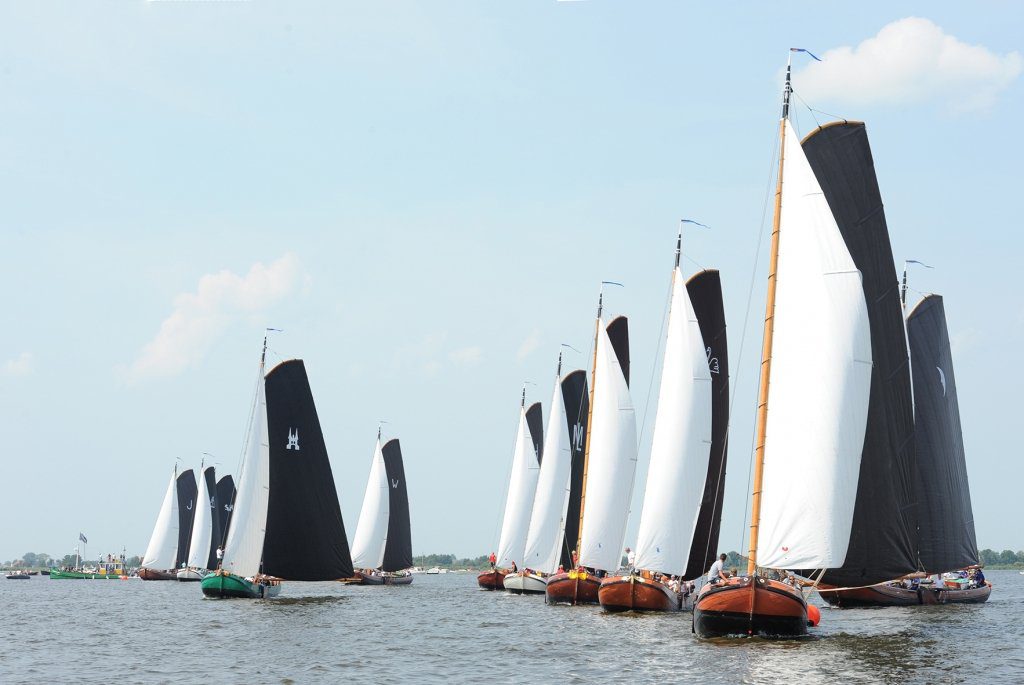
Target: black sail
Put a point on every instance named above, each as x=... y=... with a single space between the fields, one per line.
x=305 y=537
x=187 y=492
x=225 y=504
x=944 y=517
x=577 y=405
x=211 y=490
x=705 y=291
x=618 y=334
x=535 y=425
x=883 y=535
x=398 y=548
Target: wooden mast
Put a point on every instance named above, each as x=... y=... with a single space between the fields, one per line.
x=590 y=418
x=766 y=347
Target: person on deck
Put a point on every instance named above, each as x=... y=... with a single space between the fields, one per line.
x=979 y=578
x=630 y=558
x=717 y=571
x=493 y=559
x=220 y=555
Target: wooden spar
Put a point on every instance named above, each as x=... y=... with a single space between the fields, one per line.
x=766 y=347
x=590 y=418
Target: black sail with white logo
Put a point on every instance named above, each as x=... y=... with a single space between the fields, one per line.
x=883 y=535
x=211 y=487
x=305 y=535
x=398 y=548
x=225 y=505
x=705 y=291
x=945 y=519
x=577 y=405
x=187 y=491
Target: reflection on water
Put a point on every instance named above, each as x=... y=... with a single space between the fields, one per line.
x=442 y=629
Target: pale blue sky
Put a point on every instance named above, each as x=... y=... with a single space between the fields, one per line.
x=434 y=192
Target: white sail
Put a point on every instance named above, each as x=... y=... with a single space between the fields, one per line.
x=681 y=447
x=521 y=488
x=544 y=538
x=611 y=464
x=243 y=550
x=202 y=527
x=162 y=552
x=820 y=382
x=372 y=529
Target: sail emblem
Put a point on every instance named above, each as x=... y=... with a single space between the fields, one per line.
x=712 y=361
x=229 y=507
x=189 y=507
x=213 y=505
x=293 y=439
x=577 y=437
x=394 y=483
x=942 y=379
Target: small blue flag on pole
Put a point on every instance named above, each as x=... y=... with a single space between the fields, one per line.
x=83 y=538
x=807 y=51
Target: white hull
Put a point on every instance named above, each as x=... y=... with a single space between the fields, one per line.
x=525 y=584
x=191 y=574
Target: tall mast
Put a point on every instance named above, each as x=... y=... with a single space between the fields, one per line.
x=769 y=328
x=590 y=418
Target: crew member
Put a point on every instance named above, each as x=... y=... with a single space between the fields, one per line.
x=717 y=571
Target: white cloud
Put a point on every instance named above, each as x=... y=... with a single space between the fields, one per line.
x=199 y=317
x=466 y=356
x=22 y=365
x=528 y=346
x=910 y=61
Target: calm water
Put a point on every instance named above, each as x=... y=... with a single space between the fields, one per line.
x=441 y=628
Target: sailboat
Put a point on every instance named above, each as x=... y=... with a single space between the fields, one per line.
x=682 y=508
x=202 y=556
x=382 y=547
x=169 y=544
x=522 y=486
x=548 y=539
x=945 y=532
x=832 y=496
x=609 y=467
x=286 y=521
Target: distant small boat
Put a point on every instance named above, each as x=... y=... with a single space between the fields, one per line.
x=432 y=571
x=45 y=572
x=17 y=576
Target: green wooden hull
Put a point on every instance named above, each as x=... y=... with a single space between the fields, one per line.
x=82 y=575
x=228 y=585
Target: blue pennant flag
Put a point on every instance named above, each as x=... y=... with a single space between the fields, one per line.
x=807 y=51
x=83 y=538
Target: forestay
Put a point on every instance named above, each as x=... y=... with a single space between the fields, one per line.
x=820 y=385
x=681 y=445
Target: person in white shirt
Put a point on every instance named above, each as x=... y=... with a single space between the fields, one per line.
x=717 y=571
x=630 y=558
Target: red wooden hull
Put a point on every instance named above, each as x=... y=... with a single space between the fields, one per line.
x=745 y=606
x=573 y=587
x=492 y=580
x=151 y=574
x=892 y=595
x=634 y=593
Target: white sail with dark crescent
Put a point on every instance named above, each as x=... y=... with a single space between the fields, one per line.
x=372 y=528
x=681 y=447
x=820 y=384
x=521 y=489
x=163 y=544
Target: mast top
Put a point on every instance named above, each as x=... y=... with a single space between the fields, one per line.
x=559 y=372
x=679 y=243
x=522 y=401
x=789 y=86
